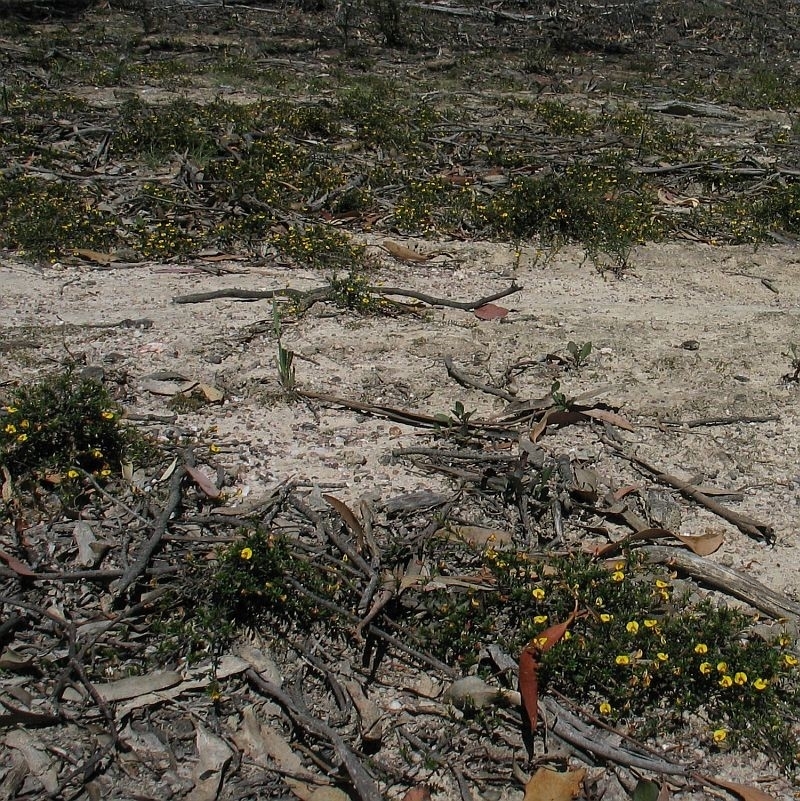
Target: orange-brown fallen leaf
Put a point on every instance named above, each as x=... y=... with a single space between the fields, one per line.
x=529 y=664
x=418 y=793
x=549 y=785
x=743 y=791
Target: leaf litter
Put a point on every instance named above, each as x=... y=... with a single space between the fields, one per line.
x=90 y=711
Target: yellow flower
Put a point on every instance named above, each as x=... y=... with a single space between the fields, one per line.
x=540 y=619
x=538 y=593
x=567 y=635
x=705 y=668
x=701 y=648
x=11 y=409
x=246 y=553
x=72 y=473
x=722 y=667
x=24 y=424
x=107 y=414
x=617 y=576
x=650 y=623
x=22 y=437
x=720 y=735
x=97 y=453
x=105 y=472
x=740 y=678
x=214 y=448
x=619 y=566
x=726 y=681
x=10 y=429
x=540 y=642
x=662 y=657
x=606 y=618
x=605 y=708
x=789 y=660
x=760 y=684
x=632 y=627
x=623 y=659
x=661 y=584
x=784 y=640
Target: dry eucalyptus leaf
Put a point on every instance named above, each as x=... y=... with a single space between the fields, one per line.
x=215 y=756
x=549 y=785
x=204 y=483
x=85 y=539
x=402 y=253
x=477 y=536
x=471 y=692
x=210 y=393
x=703 y=544
x=135 y=686
x=39 y=763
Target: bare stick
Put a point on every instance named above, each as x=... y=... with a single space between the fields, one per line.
x=364 y=784
x=149 y=548
x=747 y=525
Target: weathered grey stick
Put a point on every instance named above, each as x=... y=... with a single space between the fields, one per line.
x=733 y=582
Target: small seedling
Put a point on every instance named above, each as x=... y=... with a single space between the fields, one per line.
x=285 y=356
x=579 y=353
x=559 y=398
x=793 y=354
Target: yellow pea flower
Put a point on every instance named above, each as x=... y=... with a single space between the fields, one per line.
x=701 y=648
x=605 y=708
x=632 y=627
x=726 y=681
x=760 y=684
x=540 y=619
x=705 y=668
x=740 y=677
x=720 y=735
x=246 y=553
x=538 y=593
x=623 y=659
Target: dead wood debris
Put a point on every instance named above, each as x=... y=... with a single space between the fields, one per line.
x=74 y=657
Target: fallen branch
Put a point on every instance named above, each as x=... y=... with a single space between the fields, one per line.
x=745 y=524
x=139 y=565
x=730 y=581
x=305 y=299
x=365 y=786
x=566 y=726
x=398 y=415
x=466 y=381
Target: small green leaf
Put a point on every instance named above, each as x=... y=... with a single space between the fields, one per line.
x=646 y=791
